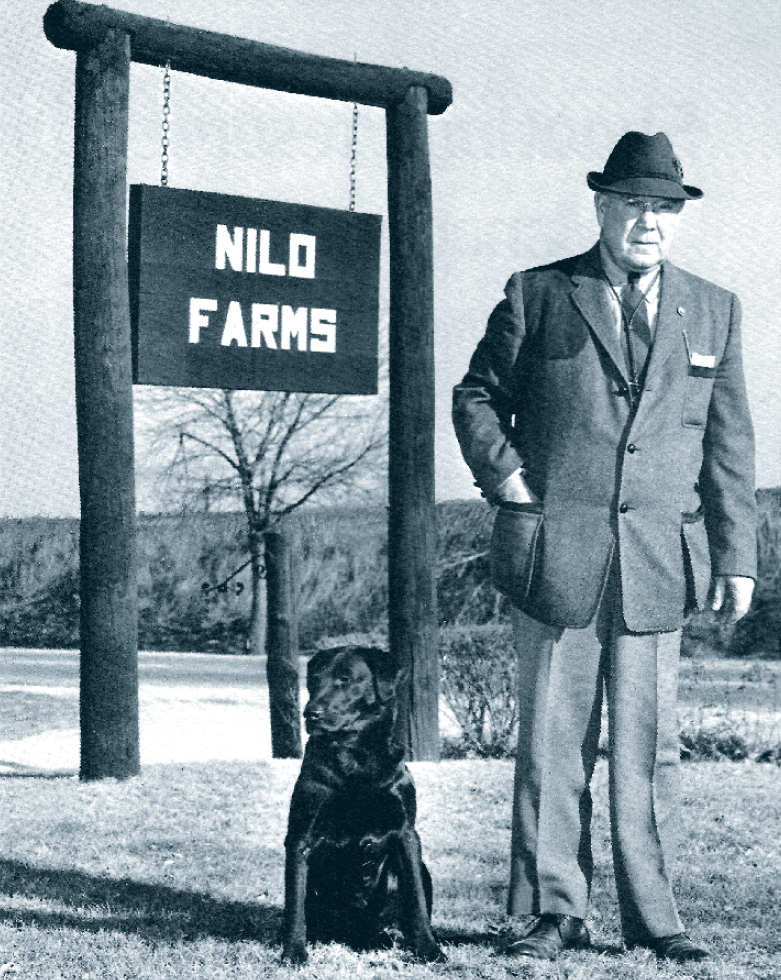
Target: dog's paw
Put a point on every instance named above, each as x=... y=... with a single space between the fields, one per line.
x=295 y=954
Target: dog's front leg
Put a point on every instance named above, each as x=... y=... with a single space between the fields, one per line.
x=419 y=934
x=308 y=797
x=294 y=924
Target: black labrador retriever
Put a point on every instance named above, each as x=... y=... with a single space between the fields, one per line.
x=354 y=873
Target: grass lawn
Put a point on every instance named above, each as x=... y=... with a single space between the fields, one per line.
x=26 y=713
x=178 y=874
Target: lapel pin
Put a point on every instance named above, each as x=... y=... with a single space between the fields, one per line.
x=681 y=311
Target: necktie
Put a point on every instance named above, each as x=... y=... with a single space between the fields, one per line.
x=638 y=330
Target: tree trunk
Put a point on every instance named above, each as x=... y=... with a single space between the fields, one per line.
x=282 y=665
x=256 y=636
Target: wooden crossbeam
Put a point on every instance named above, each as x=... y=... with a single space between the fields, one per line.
x=73 y=25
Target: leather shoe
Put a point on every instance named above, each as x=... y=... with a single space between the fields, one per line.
x=678 y=947
x=550 y=935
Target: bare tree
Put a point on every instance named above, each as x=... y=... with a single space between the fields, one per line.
x=266 y=452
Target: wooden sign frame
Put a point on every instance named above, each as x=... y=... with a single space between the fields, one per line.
x=106 y=41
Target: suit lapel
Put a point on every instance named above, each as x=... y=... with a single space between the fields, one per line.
x=670 y=322
x=668 y=339
x=591 y=298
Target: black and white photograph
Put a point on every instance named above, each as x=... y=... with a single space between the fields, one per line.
x=390 y=489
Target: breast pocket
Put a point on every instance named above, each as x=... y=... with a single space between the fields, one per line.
x=699 y=387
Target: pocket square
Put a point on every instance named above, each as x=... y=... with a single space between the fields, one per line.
x=702 y=360
x=698 y=360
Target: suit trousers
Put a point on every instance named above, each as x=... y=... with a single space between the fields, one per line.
x=562 y=676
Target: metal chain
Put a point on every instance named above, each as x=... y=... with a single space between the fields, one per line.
x=165 y=142
x=353 y=153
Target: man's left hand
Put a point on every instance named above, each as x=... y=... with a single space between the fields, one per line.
x=730 y=597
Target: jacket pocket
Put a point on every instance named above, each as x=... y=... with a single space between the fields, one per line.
x=514 y=543
x=697 y=400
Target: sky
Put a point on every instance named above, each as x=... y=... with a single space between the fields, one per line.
x=542 y=91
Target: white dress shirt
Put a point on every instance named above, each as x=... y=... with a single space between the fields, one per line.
x=649 y=283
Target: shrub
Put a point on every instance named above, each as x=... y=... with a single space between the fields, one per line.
x=464 y=590
x=720 y=743
x=758 y=634
x=729 y=739
x=39 y=582
x=478 y=678
x=724 y=713
x=191 y=599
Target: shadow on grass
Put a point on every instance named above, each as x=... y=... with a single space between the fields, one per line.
x=156 y=912
x=23 y=772
x=459 y=937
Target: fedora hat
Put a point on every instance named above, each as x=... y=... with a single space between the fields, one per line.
x=641 y=164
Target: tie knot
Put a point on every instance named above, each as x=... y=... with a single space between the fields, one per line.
x=633 y=278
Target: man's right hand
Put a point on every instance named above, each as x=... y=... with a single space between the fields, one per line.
x=514 y=490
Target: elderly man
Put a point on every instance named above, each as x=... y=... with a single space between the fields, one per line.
x=605 y=413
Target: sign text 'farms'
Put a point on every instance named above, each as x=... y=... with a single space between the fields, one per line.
x=231 y=292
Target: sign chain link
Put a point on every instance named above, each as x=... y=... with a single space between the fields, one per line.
x=165 y=142
x=353 y=152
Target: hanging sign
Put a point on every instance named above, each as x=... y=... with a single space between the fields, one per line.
x=231 y=292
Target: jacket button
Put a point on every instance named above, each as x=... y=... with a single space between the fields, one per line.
x=631 y=447
x=623 y=508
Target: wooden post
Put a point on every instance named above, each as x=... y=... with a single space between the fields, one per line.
x=412 y=615
x=104 y=413
x=282 y=662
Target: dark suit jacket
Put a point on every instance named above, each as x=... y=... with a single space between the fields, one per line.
x=671 y=487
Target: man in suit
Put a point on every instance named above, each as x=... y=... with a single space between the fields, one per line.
x=605 y=413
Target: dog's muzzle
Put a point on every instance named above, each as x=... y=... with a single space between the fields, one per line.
x=312 y=717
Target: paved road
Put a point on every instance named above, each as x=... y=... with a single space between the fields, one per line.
x=192 y=708
x=60 y=668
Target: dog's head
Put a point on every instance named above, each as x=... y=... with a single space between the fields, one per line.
x=349 y=688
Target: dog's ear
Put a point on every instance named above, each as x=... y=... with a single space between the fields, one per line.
x=385 y=671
